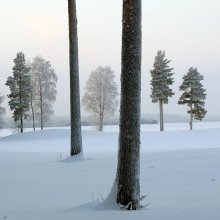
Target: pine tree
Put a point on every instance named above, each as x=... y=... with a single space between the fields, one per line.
x=20 y=90
x=43 y=93
x=128 y=170
x=101 y=95
x=75 y=115
x=193 y=95
x=161 y=76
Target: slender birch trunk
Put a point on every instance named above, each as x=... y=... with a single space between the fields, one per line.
x=32 y=110
x=41 y=111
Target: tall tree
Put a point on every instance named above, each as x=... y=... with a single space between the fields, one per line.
x=161 y=79
x=32 y=96
x=20 y=90
x=76 y=138
x=101 y=94
x=193 y=95
x=128 y=170
x=43 y=84
x=32 y=107
x=2 y=111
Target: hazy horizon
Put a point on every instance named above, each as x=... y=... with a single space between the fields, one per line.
x=187 y=31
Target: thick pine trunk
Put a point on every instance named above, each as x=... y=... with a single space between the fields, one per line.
x=128 y=170
x=161 y=116
x=76 y=139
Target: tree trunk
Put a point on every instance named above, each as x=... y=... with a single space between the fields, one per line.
x=101 y=120
x=101 y=125
x=191 y=117
x=41 y=105
x=22 y=125
x=32 y=110
x=128 y=170
x=161 y=116
x=76 y=139
x=33 y=118
x=41 y=112
x=20 y=97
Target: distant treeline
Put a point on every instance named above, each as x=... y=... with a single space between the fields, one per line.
x=64 y=121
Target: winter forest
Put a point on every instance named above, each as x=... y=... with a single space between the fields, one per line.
x=109 y=111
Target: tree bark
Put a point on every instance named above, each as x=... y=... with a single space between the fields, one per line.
x=22 y=126
x=101 y=120
x=128 y=170
x=161 y=116
x=76 y=139
x=191 y=117
x=41 y=111
x=20 y=96
x=32 y=109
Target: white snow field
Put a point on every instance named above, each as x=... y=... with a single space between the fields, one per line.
x=179 y=174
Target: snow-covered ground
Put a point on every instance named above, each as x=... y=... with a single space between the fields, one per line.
x=179 y=174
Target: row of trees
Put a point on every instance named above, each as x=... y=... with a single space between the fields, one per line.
x=101 y=91
x=32 y=90
x=126 y=185
x=193 y=92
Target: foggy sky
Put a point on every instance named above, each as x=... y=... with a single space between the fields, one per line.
x=187 y=30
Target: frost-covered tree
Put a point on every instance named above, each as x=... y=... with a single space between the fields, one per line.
x=75 y=115
x=2 y=111
x=31 y=115
x=128 y=168
x=161 y=79
x=32 y=101
x=20 y=89
x=101 y=95
x=193 y=95
x=43 y=84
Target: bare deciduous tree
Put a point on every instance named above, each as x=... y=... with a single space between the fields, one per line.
x=101 y=95
x=43 y=84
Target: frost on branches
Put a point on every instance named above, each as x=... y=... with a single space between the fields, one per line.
x=20 y=88
x=101 y=95
x=193 y=95
x=161 y=79
x=43 y=82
